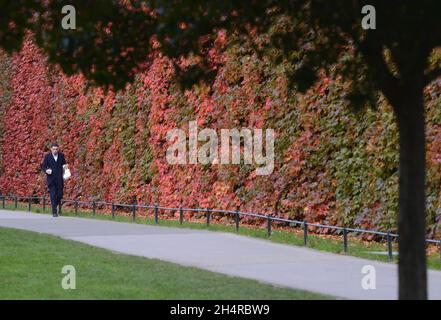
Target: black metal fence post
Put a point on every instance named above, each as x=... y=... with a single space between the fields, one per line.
x=269 y=226
x=3 y=202
x=345 y=240
x=44 y=204
x=440 y=251
x=181 y=215
x=93 y=207
x=237 y=220
x=389 y=247
x=76 y=206
x=208 y=214
x=113 y=211
x=305 y=233
x=29 y=203
x=15 y=200
x=134 y=212
x=156 y=213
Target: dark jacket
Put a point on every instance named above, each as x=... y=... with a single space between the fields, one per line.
x=56 y=177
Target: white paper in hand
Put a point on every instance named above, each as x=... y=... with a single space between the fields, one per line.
x=66 y=174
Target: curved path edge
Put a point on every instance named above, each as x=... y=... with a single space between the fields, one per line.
x=231 y=254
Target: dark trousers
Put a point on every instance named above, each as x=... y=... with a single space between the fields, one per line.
x=56 y=194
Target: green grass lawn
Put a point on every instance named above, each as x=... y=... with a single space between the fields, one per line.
x=31 y=264
x=294 y=236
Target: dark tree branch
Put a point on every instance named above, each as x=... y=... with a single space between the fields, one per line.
x=431 y=76
x=372 y=52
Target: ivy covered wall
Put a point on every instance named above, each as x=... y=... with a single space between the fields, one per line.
x=332 y=165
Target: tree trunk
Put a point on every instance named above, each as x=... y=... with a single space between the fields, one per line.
x=412 y=270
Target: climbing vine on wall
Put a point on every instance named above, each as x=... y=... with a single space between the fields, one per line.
x=332 y=165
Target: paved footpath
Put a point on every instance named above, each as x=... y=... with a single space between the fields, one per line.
x=259 y=259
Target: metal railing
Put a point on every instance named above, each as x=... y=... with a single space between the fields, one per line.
x=389 y=236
